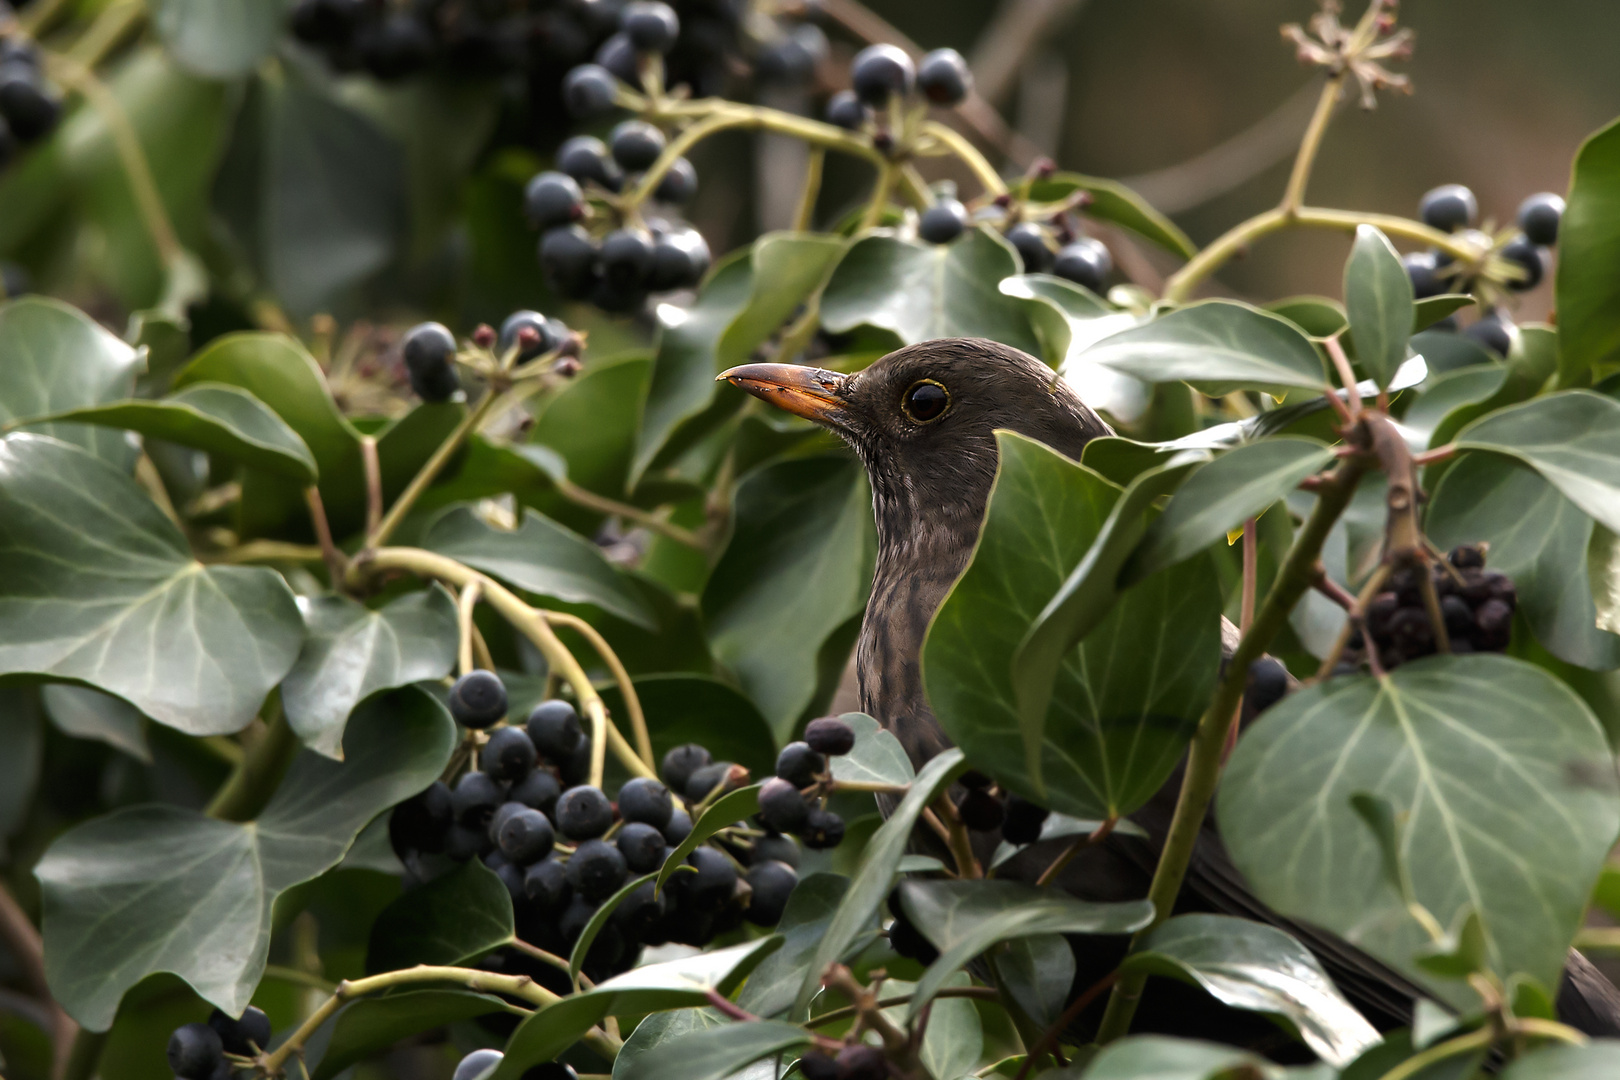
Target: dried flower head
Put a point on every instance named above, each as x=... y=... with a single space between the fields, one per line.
x=1358 y=50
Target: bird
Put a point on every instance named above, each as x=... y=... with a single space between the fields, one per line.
x=922 y=420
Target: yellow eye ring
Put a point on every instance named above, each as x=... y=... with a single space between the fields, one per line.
x=925 y=401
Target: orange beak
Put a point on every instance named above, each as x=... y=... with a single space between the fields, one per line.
x=803 y=391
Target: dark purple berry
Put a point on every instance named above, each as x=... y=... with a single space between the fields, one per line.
x=942 y=222
x=678 y=185
x=588 y=90
x=845 y=110
x=477 y=1065
x=1029 y=240
x=584 y=813
x=680 y=763
x=552 y=199
x=772 y=883
x=244 y=1037
x=1528 y=257
x=1086 y=262
x=1448 y=208
x=880 y=71
x=943 y=77
x=508 y=755
x=650 y=25
x=478 y=699
x=1539 y=217
x=636 y=144
x=596 y=869
x=822 y=829
x=981 y=811
x=526 y=837
x=1023 y=822
x=195 y=1051
x=781 y=807
x=799 y=765
x=642 y=846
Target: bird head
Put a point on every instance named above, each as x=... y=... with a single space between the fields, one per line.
x=923 y=418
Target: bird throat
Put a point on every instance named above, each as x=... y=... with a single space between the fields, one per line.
x=921 y=553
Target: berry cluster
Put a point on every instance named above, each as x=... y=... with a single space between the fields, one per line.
x=215 y=1050
x=562 y=847
x=790 y=802
x=29 y=108
x=429 y=351
x=855 y=1061
x=884 y=76
x=1452 y=208
x=1476 y=604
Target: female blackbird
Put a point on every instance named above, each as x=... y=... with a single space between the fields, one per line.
x=923 y=421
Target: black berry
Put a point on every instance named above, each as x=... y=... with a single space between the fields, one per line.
x=943 y=77
x=822 y=829
x=1085 y=262
x=636 y=144
x=1448 y=208
x=596 y=870
x=678 y=185
x=799 y=765
x=474 y=800
x=584 y=813
x=908 y=941
x=465 y=842
x=942 y=222
x=244 y=1037
x=508 y=755
x=1029 y=240
x=845 y=110
x=679 y=261
x=858 y=1062
x=1267 y=683
x=646 y=800
x=793 y=59
x=782 y=849
x=588 y=90
x=554 y=729
x=195 y=1051
x=546 y=885
x=1491 y=331
x=642 y=846
x=1423 y=268
x=420 y=822
x=880 y=71
x=526 y=837
x=650 y=25
x=553 y=198
x=711 y=779
x=585 y=158
x=713 y=883
x=678 y=829
x=814 y=1065
x=772 y=883
x=781 y=807
x=498 y=818
x=680 y=763
x=830 y=735
x=1023 y=822
x=1539 y=217
x=27 y=104
x=618 y=56
x=568 y=257
x=541 y=338
x=538 y=791
x=429 y=350
x=478 y=699
x=1527 y=256
x=626 y=257
x=981 y=811
x=1466 y=557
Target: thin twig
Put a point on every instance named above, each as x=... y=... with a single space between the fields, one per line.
x=1075 y=847
x=1070 y=1015
x=337 y=564
x=465 y=605
x=1341 y=364
x=804 y=215
x=621 y=678
x=25 y=945
x=431 y=469
x=374 y=493
x=603 y=505
x=1431 y=603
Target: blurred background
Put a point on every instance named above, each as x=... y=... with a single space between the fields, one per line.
x=311 y=181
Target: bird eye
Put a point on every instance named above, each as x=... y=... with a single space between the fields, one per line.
x=924 y=401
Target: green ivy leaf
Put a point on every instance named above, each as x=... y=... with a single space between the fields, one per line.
x=1502 y=780
x=964 y=918
x=90 y=714
x=280 y=373
x=1068 y=320
x=1124 y=701
x=1112 y=201
x=674 y=984
x=156 y=888
x=1597 y=1060
x=714 y=1053
x=54 y=358
x=351 y=652
x=1259 y=968
x=1163 y=1057
x=682 y=382
x=797 y=570
x=1318 y=316
x=451 y=920
x=814 y=902
x=1218 y=346
x=877 y=756
x=729 y=809
x=598 y=919
x=1587 y=290
x=1038 y=972
x=876 y=872
x=369 y=1026
x=219 y=39
x=1530 y=363
x=213 y=417
x=1220 y=496
x=1378 y=302
x=1538 y=538
x=1571 y=438
x=313 y=191
x=788 y=268
x=97 y=585
x=1431 y=309
x=539 y=557
x=919 y=291
x=22 y=750
x=1445 y=393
